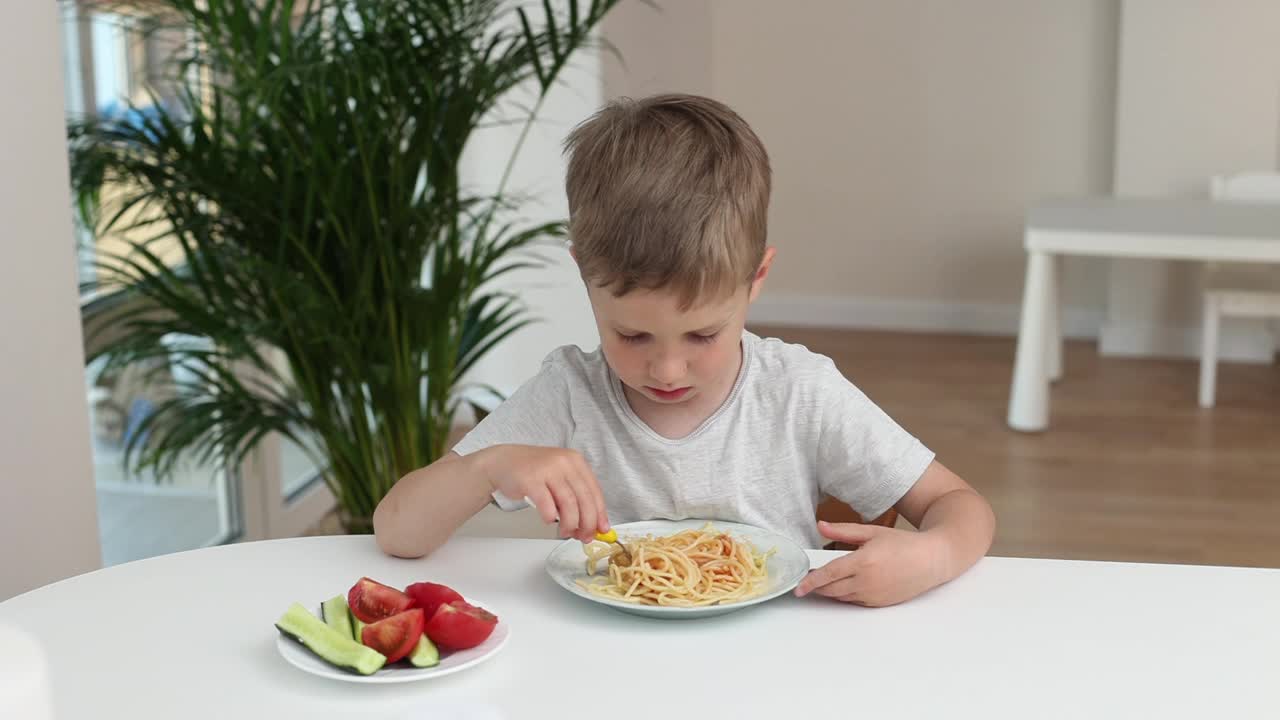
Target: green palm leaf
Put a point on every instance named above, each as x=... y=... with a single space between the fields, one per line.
x=298 y=216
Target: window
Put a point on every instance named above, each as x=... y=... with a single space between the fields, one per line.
x=114 y=67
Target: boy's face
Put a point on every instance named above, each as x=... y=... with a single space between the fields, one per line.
x=668 y=355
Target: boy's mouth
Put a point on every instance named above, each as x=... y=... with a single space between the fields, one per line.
x=668 y=394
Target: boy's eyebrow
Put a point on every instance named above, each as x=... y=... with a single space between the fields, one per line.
x=714 y=327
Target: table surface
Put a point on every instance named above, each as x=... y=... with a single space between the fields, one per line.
x=1165 y=216
x=190 y=635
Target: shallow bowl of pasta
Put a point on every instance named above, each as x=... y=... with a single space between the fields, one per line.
x=681 y=569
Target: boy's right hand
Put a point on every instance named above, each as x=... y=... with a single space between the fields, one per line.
x=556 y=480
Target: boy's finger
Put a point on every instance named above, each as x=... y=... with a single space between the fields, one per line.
x=591 y=495
x=567 y=504
x=544 y=503
x=586 y=507
x=853 y=533
x=597 y=496
x=837 y=569
x=840 y=588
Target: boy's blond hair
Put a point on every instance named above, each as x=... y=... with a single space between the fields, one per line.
x=671 y=192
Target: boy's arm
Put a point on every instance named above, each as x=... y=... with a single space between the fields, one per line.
x=945 y=508
x=956 y=526
x=428 y=505
x=519 y=449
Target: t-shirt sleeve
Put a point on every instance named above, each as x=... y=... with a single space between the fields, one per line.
x=865 y=458
x=537 y=413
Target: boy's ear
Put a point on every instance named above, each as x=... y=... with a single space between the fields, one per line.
x=573 y=255
x=761 y=273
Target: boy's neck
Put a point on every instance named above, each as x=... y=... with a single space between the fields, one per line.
x=679 y=420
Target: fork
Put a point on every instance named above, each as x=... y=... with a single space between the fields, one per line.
x=610 y=537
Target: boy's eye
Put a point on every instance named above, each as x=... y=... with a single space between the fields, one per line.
x=638 y=337
x=704 y=338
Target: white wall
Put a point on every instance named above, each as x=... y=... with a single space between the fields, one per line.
x=907 y=139
x=48 y=517
x=664 y=49
x=554 y=293
x=1199 y=94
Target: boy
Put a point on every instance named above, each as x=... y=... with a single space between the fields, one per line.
x=682 y=413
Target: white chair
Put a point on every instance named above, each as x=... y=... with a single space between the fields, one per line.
x=25 y=690
x=1236 y=292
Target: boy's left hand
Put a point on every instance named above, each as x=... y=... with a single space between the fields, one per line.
x=890 y=565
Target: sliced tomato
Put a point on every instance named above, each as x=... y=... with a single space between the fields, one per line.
x=395 y=636
x=372 y=601
x=430 y=596
x=459 y=625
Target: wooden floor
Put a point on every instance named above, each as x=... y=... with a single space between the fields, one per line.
x=1130 y=468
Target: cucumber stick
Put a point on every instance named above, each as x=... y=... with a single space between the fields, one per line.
x=331 y=646
x=338 y=616
x=425 y=655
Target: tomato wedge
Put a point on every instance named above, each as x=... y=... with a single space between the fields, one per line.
x=459 y=625
x=430 y=596
x=395 y=636
x=372 y=601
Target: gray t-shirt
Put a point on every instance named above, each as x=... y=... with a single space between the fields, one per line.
x=792 y=429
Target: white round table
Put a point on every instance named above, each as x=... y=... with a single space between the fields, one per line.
x=190 y=635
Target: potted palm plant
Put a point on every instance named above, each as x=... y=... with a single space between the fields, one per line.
x=295 y=212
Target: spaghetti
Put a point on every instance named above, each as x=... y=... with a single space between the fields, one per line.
x=687 y=569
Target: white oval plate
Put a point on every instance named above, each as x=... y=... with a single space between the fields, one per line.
x=300 y=657
x=568 y=563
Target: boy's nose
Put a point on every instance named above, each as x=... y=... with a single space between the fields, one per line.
x=667 y=369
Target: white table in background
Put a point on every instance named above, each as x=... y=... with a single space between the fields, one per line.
x=1118 y=227
x=190 y=636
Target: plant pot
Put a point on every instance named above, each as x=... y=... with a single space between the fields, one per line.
x=356 y=524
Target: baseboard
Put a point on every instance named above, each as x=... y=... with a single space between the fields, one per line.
x=867 y=313
x=1239 y=343
x=151 y=489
